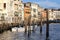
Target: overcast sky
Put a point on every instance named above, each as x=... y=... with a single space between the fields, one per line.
x=46 y=3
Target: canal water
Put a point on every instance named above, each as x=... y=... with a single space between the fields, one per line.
x=54 y=30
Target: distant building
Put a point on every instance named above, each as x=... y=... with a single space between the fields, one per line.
x=40 y=13
x=21 y=11
x=44 y=15
x=34 y=11
x=27 y=11
x=57 y=14
x=54 y=14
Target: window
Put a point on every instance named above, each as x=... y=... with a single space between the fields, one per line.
x=28 y=12
x=39 y=13
x=4 y=5
x=16 y=13
x=34 y=10
x=20 y=6
x=16 y=6
x=2 y=17
x=34 y=15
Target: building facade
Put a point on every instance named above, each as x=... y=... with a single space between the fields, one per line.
x=44 y=15
x=40 y=13
x=9 y=11
x=52 y=14
x=27 y=11
x=5 y=11
x=34 y=11
x=57 y=14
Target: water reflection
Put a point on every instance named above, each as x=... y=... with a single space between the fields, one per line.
x=36 y=35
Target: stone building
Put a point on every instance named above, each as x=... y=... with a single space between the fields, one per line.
x=34 y=10
x=52 y=14
x=10 y=11
x=40 y=13
x=6 y=11
x=57 y=14
x=27 y=11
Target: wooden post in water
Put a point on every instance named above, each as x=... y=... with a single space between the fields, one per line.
x=25 y=20
x=33 y=25
x=47 y=25
x=25 y=28
x=29 y=24
x=41 y=24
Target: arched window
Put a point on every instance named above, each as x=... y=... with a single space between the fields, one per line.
x=4 y=5
x=16 y=14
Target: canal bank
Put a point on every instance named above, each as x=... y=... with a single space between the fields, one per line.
x=7 y=26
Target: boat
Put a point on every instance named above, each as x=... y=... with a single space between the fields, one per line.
x=15 y=29
x=21 y=29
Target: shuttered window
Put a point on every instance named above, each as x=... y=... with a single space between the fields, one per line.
x=4 y=5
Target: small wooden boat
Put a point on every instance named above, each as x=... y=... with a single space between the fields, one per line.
x=15 y=29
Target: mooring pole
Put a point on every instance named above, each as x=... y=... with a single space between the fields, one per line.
x=25 y=20
x=47 y=25
x=25 y=28
x=29 y=24
x=41 y=24
x=33 y=25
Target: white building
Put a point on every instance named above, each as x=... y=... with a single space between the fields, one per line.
x=34 y=11
x=5 y=11
x=57 y=13
x=21 y=11
x=40 y=10
x=9 y=9
x=52 y=14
